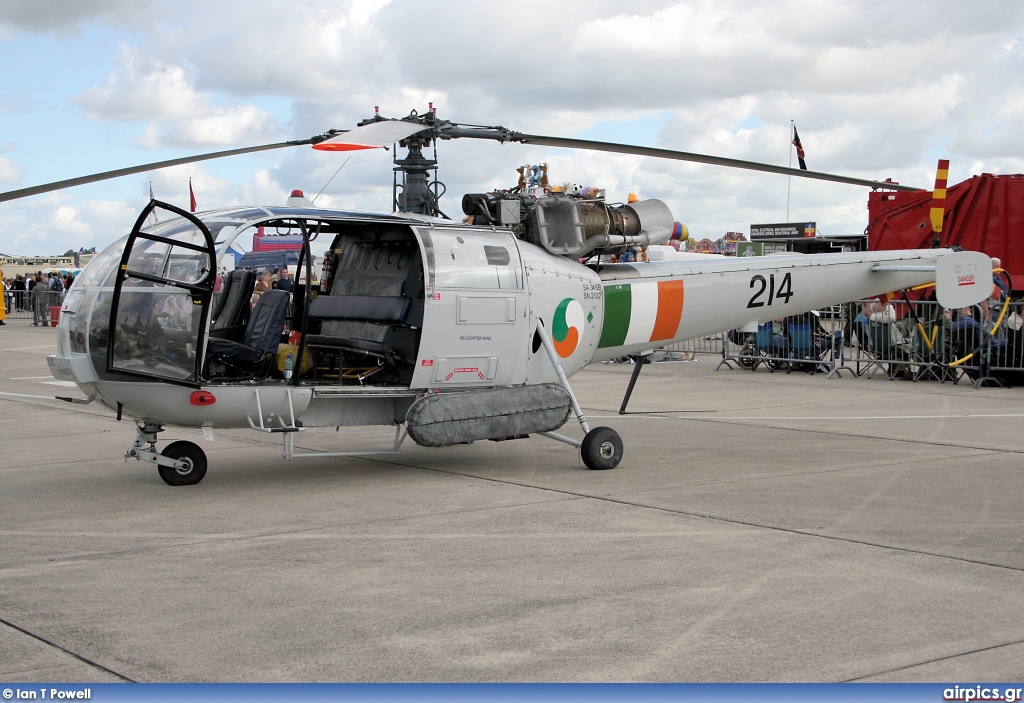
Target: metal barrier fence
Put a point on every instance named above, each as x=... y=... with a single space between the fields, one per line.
x=688 y=349
x=916 y=341
x=32 y=305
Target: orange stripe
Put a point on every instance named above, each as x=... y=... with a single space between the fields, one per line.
x=670 y=310
x=567 y=346
x=339 y=146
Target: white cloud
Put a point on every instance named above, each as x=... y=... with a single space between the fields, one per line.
x=220 y=126
x=10 y=172
x=54 y=223
x=142 y=89
x=179 y=115
x=64 y=15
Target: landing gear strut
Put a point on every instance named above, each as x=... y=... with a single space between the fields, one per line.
x=601 y=447
x=180 y=464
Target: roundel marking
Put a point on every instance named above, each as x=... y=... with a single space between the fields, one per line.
x=567 y=327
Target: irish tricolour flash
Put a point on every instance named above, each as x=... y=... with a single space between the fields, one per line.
x=567 y=327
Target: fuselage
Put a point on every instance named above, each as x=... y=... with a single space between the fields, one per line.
x=474 y=298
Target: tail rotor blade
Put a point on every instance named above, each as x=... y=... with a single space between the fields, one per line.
x=938 y=209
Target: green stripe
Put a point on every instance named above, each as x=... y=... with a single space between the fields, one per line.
x=559 y=327
x=618 y=301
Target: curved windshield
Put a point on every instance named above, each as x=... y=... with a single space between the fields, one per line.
x=96 y=271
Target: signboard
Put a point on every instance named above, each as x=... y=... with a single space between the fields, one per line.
x=760 y=248
x=14 y=265
x=40 y=261
x=790 y=230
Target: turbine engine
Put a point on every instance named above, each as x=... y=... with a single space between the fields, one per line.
x=575 y=227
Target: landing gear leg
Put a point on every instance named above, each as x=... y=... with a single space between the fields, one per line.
x=180 y=464
x=601 y=447
x=640 y=362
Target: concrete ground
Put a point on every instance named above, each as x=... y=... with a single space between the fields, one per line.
x=762 y=527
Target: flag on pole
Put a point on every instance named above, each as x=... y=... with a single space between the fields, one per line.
x=192 y=195
x=799 y=149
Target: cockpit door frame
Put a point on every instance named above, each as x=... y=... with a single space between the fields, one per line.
x=201 y=290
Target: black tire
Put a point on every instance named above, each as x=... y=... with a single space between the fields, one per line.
x=749 y=358
x=602 y=449
x=189 y=453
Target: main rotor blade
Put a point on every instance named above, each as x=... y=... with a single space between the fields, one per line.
x=700 y=158
x=371 y=136
x=106 y=175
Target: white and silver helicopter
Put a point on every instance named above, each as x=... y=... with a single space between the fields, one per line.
x=451 y=331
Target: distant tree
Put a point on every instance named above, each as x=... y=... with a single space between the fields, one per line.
x=69 y=252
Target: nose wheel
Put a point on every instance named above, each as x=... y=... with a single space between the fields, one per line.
x=180 y=463
x=192 y=462
x=601 y=448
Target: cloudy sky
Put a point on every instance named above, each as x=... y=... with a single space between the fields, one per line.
x=876 y=91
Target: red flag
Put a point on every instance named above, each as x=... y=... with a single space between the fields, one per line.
x=191 y=196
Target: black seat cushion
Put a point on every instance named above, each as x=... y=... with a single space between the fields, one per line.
x=263 y=333
x=391 y=309
x=233 y=300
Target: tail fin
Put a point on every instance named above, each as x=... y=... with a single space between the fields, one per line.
x=938 y=211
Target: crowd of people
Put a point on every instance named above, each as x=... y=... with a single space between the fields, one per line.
x=25 y=292
x=35 y=293
x=280 y=279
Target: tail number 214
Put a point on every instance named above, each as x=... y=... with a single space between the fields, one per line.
x=783 y=292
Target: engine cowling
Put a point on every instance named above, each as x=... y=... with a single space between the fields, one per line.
x=575 y=227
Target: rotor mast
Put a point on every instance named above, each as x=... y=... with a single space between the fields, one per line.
x=417 y=191
x=414 y=194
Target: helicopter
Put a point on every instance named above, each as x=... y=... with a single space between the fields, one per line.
x=452 y=331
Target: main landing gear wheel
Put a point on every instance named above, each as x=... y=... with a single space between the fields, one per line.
x=602 y=448
x=195 y=464
x=749 y=357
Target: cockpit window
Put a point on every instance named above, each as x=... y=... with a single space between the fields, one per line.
x=163 y=260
